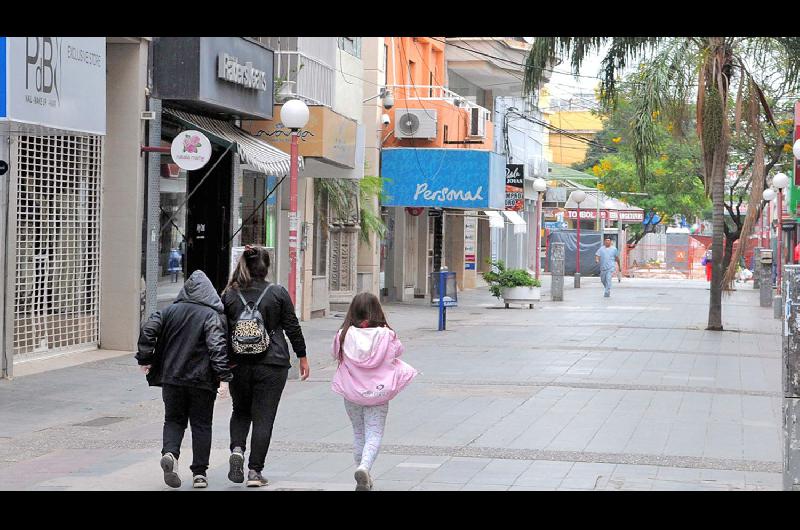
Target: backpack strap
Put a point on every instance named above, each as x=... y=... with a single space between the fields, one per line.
x=245 y=302
x=264 y=292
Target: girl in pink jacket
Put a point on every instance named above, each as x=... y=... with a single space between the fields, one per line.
x=370 y=373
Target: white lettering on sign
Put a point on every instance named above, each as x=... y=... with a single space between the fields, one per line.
x=446 y=194
x=230 y=69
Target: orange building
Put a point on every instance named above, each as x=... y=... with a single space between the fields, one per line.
x=416 y=75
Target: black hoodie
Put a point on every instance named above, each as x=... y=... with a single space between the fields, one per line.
x=186 y=343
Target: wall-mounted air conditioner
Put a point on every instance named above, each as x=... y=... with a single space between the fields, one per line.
x=415 y=123
x=477 y=122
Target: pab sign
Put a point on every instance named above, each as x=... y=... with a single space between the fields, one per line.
x=191 y=150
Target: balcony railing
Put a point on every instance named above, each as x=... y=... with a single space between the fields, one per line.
x=433 y=93
x=304 y=77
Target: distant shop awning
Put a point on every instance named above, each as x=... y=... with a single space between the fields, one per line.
x=495 y=219
x=253 y=151
x=520 y=226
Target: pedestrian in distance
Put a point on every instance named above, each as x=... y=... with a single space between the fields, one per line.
x=707 y=263
x=258 y=314
x=608 y=258
x=369 y=374
x=183 y=349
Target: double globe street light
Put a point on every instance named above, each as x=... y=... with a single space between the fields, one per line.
x=780 y=181
x=578 y=196
x=294 y=116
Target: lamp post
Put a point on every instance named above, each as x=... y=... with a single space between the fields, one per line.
x=578 y=196
x=768 y=195
x=539 y=186
x=294 y=115
x=780 y=181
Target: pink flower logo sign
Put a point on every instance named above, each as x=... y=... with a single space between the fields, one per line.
x=191 y=150
x=191 y=144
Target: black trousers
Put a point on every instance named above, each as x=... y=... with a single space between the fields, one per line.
x=256 y=391
x=184 y=404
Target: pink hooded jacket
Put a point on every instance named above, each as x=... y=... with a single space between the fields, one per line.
x=371 y=372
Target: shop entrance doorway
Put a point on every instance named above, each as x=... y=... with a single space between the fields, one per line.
x=208 y=220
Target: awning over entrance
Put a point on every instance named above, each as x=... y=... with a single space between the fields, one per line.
x=253 y=151
x=520 y=226
x=495 y=219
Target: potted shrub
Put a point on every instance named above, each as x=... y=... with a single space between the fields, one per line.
x=514 y=286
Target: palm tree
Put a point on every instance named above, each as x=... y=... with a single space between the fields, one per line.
x=674 y=69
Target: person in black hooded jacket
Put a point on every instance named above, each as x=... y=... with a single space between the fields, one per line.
x=259 y=379
x=183 y=349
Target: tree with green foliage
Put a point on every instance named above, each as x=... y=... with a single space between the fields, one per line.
x=674 y=183
x=673 y=71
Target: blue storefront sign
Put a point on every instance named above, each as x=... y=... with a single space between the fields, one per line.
x=443 y=178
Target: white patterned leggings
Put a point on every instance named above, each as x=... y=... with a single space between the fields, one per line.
x=368 y=424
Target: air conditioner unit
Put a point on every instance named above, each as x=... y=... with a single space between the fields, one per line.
x=415 y=123
x=477 y=122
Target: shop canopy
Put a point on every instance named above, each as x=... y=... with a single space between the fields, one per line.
x=253 y=151
x=520 y=226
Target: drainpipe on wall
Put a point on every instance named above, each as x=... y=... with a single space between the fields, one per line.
x=7 y=355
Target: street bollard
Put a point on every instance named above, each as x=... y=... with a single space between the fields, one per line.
x=765 y=272
x=557 y=272
x=756 y=268
x=791 y=378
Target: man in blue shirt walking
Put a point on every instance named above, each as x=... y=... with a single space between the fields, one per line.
x=608 y=257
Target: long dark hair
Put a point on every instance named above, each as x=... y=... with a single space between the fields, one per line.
x=253 y=265
x=365 y=311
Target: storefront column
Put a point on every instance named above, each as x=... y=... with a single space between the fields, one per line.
x=7 y=354
x=123 y=197
x=153 y=212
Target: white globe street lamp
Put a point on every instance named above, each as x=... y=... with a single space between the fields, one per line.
x=768 y=194
x=539 y=186
x=294 y=115
x=796 y=149
x=780 y=181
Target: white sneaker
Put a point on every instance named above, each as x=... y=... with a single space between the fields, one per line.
x=363 y=480
x=170 y=466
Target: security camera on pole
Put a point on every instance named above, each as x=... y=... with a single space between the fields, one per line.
x=578 y=196
x=779 y=181
x=294 y=115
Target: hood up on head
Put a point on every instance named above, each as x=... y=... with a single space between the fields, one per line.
x=367 y=347
x=198 y=289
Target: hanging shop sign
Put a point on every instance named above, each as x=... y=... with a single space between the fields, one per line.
x=191 y=150
x=54 y=82
x=515 y=190
x=443 y=178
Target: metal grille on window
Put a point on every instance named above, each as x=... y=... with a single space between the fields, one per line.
x=56 y=295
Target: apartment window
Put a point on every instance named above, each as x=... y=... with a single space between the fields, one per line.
x=351 y=45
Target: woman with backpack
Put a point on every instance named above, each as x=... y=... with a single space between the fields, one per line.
x=258 y=314
x=369 y=374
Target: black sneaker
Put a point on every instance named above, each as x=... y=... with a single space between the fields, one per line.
x=255 y=480
x=170 y=466
x=200 y=481
x=236 y=472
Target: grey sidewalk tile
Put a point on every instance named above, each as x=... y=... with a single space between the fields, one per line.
x=394 y=485
x=437 y=486
x=458 y=470
x=484 y=487
x=501 y=472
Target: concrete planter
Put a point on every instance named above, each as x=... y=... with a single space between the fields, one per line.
x=522 y=295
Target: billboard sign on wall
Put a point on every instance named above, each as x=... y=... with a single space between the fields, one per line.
x=57 y=82
x=515 y=190
x=443 y=178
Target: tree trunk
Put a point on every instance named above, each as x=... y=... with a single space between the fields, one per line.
x=715 y=158
x=718 y=219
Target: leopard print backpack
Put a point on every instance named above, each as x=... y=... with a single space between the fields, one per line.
x=250 y=335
